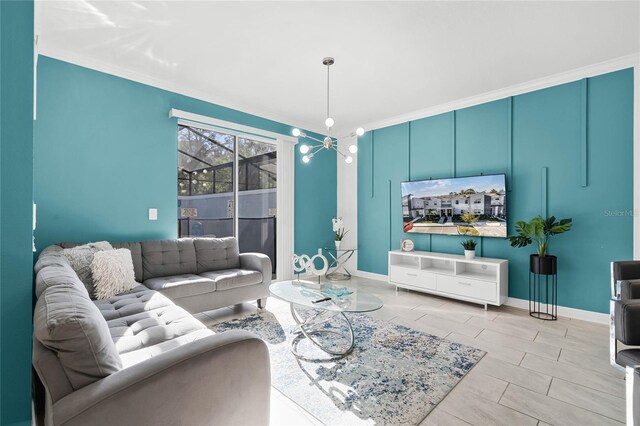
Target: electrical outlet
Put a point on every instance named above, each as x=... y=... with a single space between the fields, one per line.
x=153 y=214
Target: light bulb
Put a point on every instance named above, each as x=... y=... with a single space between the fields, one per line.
x=359 y=131
x=348 y=159
x=304 y=149
x=305 y=159
x=295 y=132
x=329 y=122
x=353 y=149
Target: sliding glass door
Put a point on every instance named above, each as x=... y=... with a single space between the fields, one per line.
x=227 y=187
x=257 y=197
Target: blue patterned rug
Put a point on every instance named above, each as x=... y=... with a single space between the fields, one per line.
x=395 y=375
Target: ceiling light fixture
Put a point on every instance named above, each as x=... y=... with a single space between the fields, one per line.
x=328 y=142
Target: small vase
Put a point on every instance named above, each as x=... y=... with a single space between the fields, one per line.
x=337 y=244
x=469 y=254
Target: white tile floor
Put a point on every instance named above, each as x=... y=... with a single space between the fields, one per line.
x=535 y=372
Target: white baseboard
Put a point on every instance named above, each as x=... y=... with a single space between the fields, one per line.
x=371 y=275
x=563 y=311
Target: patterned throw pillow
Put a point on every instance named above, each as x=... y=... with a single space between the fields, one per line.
x=80 y=258
x=113 y=273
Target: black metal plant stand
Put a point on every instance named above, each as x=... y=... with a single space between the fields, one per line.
x=543 y=287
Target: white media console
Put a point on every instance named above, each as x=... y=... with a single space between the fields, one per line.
x=480 y=280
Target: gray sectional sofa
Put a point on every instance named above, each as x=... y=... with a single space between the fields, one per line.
x=141 y=358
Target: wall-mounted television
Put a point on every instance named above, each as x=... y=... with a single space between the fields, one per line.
x=470 y=206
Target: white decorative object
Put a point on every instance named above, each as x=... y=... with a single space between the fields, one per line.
x=80 y=258
x=112 y=273
x=338 y=231
x=307 y=264
x=407 y=244
x=482 y=280
x=469 y=254
x=327 y=142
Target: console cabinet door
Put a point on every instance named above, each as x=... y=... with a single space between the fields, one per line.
x=477 y=289
x=414 y=278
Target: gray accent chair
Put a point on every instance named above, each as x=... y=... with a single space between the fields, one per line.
x=625 y=329
x=140 y=358
x=625 y=314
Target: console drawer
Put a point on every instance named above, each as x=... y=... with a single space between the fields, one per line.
x=482 y=290
x=413 y=277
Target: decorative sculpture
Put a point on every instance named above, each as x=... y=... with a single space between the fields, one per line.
x=304 y=263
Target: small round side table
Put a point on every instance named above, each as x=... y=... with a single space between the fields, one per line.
x=338 y=258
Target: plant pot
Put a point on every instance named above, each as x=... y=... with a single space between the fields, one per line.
x=547 y=265
x=469 y=254
x=337 y=244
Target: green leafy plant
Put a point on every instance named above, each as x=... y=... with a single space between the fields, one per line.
x=469 y=244
x=539 y=230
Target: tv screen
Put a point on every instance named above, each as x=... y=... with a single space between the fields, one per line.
x=471 y=206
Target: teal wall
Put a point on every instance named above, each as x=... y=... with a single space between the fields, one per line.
x=16 y=195
x=581 y=133
x=106 y=151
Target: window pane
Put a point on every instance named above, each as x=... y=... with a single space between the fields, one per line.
x=257 y=197
x=205 y=182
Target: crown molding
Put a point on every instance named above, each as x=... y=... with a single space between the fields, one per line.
x=170 y=86
x=615 y=64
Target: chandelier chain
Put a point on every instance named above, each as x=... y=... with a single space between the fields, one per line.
x=328 y=67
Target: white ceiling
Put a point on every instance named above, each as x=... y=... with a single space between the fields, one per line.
x=392 y=58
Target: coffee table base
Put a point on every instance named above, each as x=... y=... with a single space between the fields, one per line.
x=308 y=328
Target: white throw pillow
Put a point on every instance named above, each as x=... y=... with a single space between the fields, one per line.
x=80 y=258
x=112 y=273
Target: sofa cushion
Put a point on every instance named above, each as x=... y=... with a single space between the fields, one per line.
x=151 y=327
x=112 y=273
x=69 y=324
x=80 y=258
x=232 y=278
x=50 y=256
x=162 y=258
x=139 y=299
x=136 y=257
x=177 y=286
x=134 y=247
x=59 y=274
x=214 y=254
x=134 y=357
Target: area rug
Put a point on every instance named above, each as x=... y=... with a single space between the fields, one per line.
x=395 y=374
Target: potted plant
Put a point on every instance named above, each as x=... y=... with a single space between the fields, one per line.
x=539 y=230
x=338 y=231
x=469 y=248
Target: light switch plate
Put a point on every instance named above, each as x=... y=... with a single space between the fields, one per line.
x=153 y=214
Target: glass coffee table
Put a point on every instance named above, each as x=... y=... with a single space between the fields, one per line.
x=319 y=324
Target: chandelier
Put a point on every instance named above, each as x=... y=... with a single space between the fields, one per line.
x=328 y=143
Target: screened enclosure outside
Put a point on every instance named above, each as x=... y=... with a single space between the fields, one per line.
x=207 y=192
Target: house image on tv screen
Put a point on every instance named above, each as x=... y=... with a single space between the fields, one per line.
x=473 y=206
